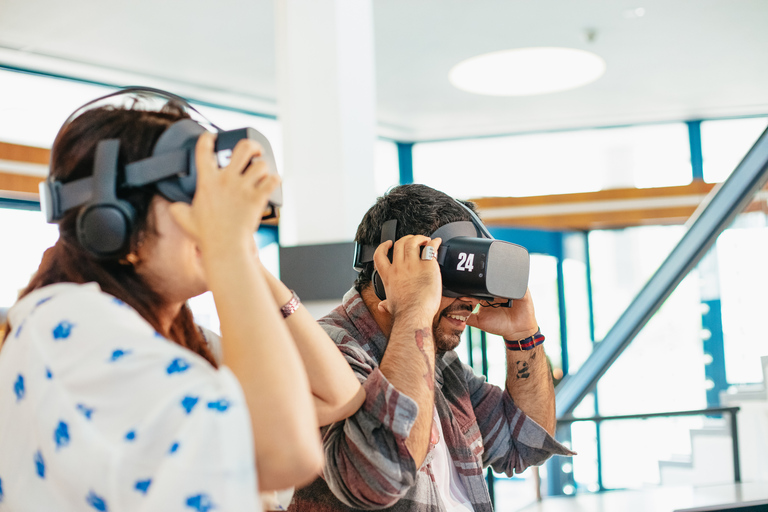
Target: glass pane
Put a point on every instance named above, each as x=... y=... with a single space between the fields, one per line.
x=638 y=453
x=743 y=279
x=724 y=144
x=543 y=284
x=577 y=313
x=622 y=261
x=711 y=325
x=556 y=163
x=26 y=236
x=662 y=369
x=33 y=108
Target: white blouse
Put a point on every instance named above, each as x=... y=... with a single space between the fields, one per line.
x=100 y=412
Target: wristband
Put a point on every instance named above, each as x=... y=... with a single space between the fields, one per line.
x=291 y=306
x=528 y=343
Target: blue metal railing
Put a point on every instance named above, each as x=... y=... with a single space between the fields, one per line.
x=730 y=199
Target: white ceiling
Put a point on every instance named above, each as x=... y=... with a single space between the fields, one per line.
x=683 y=59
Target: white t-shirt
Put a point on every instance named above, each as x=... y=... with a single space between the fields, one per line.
x=449 y=486
x=99 y=412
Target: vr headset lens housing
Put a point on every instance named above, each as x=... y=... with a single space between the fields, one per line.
x=480 y=266
x=472 y=263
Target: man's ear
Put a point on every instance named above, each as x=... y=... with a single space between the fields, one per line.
x=378 y=309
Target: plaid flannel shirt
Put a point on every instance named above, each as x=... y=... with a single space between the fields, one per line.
x=367 y=465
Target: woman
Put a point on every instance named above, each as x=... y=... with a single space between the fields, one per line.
x=111 y=397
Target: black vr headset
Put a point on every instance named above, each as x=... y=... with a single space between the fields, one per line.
x=105 y=222
x=472 y=263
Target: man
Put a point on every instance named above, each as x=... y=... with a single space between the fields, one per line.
x=428 y=425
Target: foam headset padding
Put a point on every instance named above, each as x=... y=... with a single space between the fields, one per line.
x=104 y=229
x=105 y=223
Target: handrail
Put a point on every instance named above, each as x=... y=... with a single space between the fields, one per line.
x=694 y=412
x=731 y=411
x=735 y=193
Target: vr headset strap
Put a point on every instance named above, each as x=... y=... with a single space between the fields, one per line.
x=389 y=230
x=66 y=196
x=156 y=168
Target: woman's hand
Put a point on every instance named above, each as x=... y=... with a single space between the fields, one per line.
x=228 y=202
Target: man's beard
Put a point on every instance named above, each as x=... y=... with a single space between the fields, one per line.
x=446 y=338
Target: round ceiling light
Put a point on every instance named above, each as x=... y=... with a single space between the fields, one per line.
x=527 y=71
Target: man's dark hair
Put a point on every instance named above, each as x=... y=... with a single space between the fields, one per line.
x=418 y=209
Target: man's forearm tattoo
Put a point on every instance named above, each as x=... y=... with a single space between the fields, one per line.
x=523 y=370
x=421 y=335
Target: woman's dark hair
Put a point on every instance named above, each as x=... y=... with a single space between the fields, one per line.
x=72 y=158
x=418 y=209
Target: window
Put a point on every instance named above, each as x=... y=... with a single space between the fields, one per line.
x=34 y=107
x=556 y=163
x=742 y=276
x=724 y=144
x=25 y=236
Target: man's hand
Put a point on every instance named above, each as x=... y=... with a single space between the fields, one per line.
x=412 y=284
x=515 y=323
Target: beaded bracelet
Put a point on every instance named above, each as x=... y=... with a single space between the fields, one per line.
x=526 y=344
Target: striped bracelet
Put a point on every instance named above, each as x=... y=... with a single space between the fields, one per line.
x=526 y=344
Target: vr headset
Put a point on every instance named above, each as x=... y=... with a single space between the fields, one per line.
x=105 y=221
x=472 y=263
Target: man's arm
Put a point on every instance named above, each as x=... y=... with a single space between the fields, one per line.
x=414 y=289
x=372 y=457
x=409 y=365
x=529 y=382
x=368 y=465
x=517 y=424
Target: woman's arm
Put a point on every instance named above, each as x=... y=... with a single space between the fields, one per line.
x=337 y=392
x=256 y=342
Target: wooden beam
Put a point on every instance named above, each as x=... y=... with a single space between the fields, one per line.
x=22 y=167
x=614 y=208
x=25 y=154
x=19 y=183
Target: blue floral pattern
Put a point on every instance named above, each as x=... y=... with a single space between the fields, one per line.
x=63 y=330
x=143 y=485
x=118 y=354
x=178 y=365
x=219 y=405
x=87 y=411
x=189 y=403
x=61 y=435
x=18 y=387
x=162 y=387
x=39 y=464
x=96 y=501
x=200 y=502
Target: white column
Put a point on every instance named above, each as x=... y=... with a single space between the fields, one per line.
x=327 y=101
